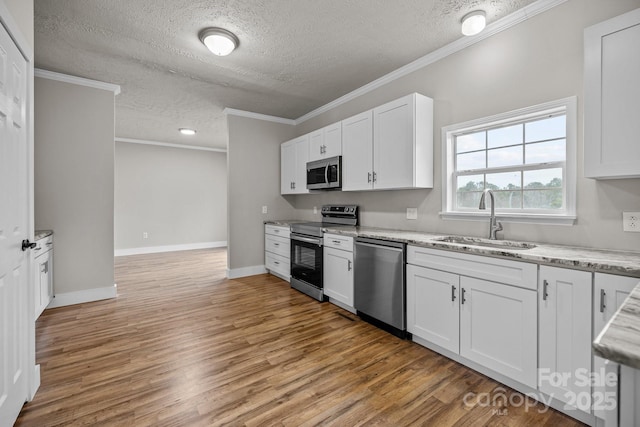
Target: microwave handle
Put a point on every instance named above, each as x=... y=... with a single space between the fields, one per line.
x=326 y=174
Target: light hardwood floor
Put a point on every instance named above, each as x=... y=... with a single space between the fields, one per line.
x=183 y=346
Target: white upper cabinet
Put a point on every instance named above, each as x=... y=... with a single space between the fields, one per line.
x=612 y=91
x=403 y=143
x=389 y=147
x=294 y=155
x=325 y=142
x=357 y=152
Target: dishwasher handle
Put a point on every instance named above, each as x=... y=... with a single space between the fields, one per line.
x=378 y=243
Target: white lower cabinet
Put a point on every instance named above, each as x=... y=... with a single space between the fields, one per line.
x=489 y=323
x=615 y=402
x=338 y=269
x=498 y=328
x=277 y=247
x=43 y=280
x=564 y=312
x=433 y=310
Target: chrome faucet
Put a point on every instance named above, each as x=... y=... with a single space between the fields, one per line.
x=494 y=225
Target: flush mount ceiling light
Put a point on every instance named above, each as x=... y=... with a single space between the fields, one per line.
x=186 y=131
x=473 y=22
x=219 y=41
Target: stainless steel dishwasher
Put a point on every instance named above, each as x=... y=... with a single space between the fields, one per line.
x=379 y=288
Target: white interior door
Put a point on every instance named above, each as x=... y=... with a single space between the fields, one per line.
x=15 y=312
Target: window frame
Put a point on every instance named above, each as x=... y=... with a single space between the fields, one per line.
x=566 y=216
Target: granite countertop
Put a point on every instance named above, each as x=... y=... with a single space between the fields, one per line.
x=41 y=234
x=283 y=222
x=597 y=260
x=620 y=339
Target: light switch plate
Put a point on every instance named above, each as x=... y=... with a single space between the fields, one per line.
x=412 y=213
x=631 y=221
x=264 y=209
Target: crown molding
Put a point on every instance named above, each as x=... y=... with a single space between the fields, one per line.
x=168 y=144
x=251 y=115
x=496 y=27
x=51 y=75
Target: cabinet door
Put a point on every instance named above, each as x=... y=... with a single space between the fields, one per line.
x=498 y=328
x=611 y=125
x=609 y=292
x=332 y=140
x=393 y=152
x=629 y=396
x=433 y=311
x=287 y=167
x=565 y=335
x=300 y=165
x=357 y=152
x=316 y=143
x=37 y=286
x=338 y=275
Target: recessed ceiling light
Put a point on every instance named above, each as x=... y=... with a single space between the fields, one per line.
x=219 y=41
x=473 y=23
x=186 y=131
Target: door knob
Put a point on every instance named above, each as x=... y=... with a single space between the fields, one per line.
x=26 y=244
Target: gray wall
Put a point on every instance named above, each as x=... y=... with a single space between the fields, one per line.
x=74 y=132
x=22 y=13
x=178 y=196
x=536 y=61
x=253 y=158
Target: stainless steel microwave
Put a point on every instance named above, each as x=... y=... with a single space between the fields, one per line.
x=325 y=174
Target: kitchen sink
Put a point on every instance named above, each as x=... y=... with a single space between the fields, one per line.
x=475 y=241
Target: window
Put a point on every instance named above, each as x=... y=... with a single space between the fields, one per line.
x=527 y=157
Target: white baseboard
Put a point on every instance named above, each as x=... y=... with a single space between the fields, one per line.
x=235 y=273
x=169 y=248
x=87 y=295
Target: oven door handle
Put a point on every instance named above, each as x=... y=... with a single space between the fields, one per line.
x=307 y=239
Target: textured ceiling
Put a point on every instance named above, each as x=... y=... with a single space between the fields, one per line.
x=294 y=55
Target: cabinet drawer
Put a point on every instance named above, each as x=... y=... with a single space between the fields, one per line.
x=277 y=245
x=277 y=230
x=516 y=273
x=338 y=241
x=277 y=263
x=43 y=245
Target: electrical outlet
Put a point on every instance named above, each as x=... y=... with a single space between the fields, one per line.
x=412 y=213
x=145 y=235
x=631 y=221
x=264 y=209
x=315 y=210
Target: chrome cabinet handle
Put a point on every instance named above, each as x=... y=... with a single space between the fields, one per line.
x=545 y=294
x=453 y=293
x=463 y=298
x=348 y=265
x=602 y=304
x=276 y=262
x=375 y=177
x=337 y=242
x=276 y=230
x=368 y=176
x=276 y=244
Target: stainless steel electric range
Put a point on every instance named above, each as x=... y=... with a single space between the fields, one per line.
x=306 y=248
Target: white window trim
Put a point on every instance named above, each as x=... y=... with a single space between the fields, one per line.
x=566 y=217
